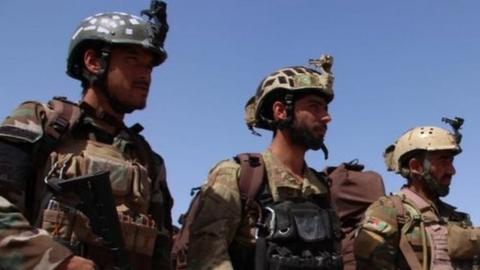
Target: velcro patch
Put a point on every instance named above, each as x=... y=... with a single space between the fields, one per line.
x=378 y=225
x=16 y=133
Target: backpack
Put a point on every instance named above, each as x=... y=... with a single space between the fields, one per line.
x=352 y=191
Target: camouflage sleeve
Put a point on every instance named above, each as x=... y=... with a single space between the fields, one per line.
x=161 y=205
x=376 y=244
x=24 y=247
x=25 y=124
x=18 y=133
x=217 y=221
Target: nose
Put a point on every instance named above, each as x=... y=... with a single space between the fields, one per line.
x=326 y=118
x=451 y=169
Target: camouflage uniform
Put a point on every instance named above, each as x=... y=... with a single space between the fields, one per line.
x=377 y=243
x=219 y=222
x=220 y=229
x=414 y=229
x=96 y=143
x=24 y=247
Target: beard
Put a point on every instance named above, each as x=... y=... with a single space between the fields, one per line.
x=434 y=187
x=123 y=107
x=303 y=135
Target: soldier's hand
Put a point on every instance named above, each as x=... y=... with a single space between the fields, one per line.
x=77 y=263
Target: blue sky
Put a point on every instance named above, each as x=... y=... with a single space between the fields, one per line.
x=398 y=64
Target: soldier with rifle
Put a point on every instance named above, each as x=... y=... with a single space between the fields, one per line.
x=76 y=170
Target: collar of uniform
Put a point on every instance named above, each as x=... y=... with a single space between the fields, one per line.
x=283 y=182
x=102 y=119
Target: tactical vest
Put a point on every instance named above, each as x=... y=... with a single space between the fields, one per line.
x=133 y=171
x=446 y=244
x=292 y=234
x=433 y=229
x=298 y=233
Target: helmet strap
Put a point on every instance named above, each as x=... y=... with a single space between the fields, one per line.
x=288 y=103
x=100 y=79
x=324 y=150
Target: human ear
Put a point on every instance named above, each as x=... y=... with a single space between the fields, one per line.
x=92 y=61
x=279 y=111
x=415 y=166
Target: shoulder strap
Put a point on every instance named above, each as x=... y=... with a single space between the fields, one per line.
x=252 y=172
x=404 y=245
x=62 y=116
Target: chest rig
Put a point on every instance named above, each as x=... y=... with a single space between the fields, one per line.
x=80 y=143
x=290 y=233
x=433 y=230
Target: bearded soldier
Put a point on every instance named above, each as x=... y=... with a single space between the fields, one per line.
x=414 y=228
x=293 y=103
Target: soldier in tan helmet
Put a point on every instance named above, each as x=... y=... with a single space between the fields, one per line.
x=223 y=233
x=414 y=228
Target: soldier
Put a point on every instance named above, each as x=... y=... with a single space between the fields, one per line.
x=25 y=247
x=293 y=103
x=113 y=55
x=414 y=228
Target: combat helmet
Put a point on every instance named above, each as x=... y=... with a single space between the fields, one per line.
x=423 y=139
x=115 y=28
x=286 y=83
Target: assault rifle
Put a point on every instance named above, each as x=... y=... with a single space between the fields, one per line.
x=92 y=195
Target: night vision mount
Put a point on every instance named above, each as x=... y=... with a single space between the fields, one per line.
x=456 y=124
x=157 y=15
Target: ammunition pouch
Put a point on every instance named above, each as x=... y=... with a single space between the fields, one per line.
x=297 y=235
x=130 y=181
x=463 y=242
x=139 y=235
x=72 y=228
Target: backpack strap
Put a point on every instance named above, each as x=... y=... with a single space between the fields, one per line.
x=433 y=229
x=62 y=116
x=252 y=172
x=404 y=245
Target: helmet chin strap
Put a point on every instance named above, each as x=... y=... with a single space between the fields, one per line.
x=324 y=150
x=100 y=80
x=431 y=183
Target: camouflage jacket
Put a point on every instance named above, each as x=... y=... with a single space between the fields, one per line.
x=94 y=143
x=25 y=247
x=219 y=220
x=378 y=239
